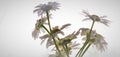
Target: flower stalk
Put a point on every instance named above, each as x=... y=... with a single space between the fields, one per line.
x=66 y=50
x=88 y=39
x=46 y=29
x=89 y=44
x=47 y=14
x=82 y=51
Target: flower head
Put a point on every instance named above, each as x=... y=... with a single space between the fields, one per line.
x=55 y=31
x=38 y=27
x=67 y=40
x=96 y=18
x=99 y=42
x=96 y=39
x=43 y=8
x=72 y=35
x=84 y=32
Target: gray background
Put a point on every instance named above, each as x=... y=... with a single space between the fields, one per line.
x=17 y=22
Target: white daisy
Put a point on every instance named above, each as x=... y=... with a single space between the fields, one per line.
x=43 y=8
x=96 y=39
x=67 y=39
x=38 y=27
x=96 y=18
x=55 y=31
x=84 y=32
x=99 y=42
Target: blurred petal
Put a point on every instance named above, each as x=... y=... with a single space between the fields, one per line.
x=61 y=32
x=84 y=31
x=105 y=22
x=64 y=26
x=49 y=42
x=87 y=13
x=43 y=40
x=44 y=36
x=103 y=16
x=54 y=5
x=86 y=19
x=96 y=18
x=100 y=43
x=34 y=11
x=78 y=32
x=42 y=8
x=35 y=33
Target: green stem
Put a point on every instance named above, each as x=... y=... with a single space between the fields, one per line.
x=86 y=42
x=45 y=29
x=65 y=49
x=89 y=34
x=78 y=52
x=47 y=13
x=86 y=49
x=81 y=50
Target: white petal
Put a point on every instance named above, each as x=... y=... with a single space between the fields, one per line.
x=105 y=22
x=86 y=19
x=35 y=33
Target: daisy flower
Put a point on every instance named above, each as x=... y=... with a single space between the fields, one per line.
x=96 y=18
x=84 y=32
x=43 y=8
x=99 y=42
x=55 y=31
x=38 y=27
x=96 y=39
x=67 y=39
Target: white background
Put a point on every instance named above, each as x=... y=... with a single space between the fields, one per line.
x=17 y=22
